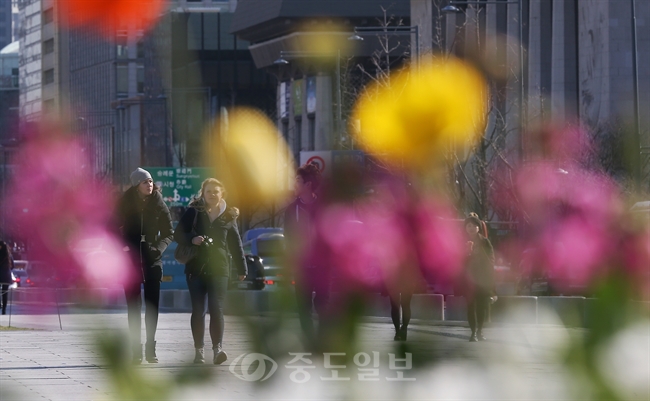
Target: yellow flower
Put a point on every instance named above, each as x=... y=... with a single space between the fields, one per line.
x=251 y=157
x=422 y=112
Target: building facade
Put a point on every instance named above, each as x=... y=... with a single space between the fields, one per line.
x=304 y=46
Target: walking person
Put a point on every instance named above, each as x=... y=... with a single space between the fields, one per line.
x=478 y=283
x=210 y=225
x=146 y=228
x=6 y=264
x=312 y=280
x=400 y=307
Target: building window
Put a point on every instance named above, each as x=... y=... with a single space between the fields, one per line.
x=122 y=80
x=140 y=79
x=48 y=46
x=285 y=131
x=48 y=106
x=120 y=45
x=48 y=16
x=48 y=76
x=298 y=139
x=311 y=144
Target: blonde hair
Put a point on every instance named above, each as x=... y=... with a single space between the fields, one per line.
x=198 y=201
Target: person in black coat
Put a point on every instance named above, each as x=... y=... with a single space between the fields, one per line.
x=146 y=227
x=310 y=276
x=478 y=283
x=6 y=264
x=210 y=225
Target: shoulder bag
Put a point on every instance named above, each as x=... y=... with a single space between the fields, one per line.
x=185 y=253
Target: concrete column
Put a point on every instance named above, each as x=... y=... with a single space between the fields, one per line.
x=422 y=17
x=513 y=90
x=534 y=100
x=593 y=38
x=325 y=127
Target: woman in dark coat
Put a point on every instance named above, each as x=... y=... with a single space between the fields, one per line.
x=6 y=264
x=146 y=228
x=478 y=285
x=210 y=225
x=310 y=275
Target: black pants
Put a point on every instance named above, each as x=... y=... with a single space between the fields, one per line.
x=5 y=298
x=402 y=300
x=214 y=288
x=312 y=280
x=134 y=306
x=477 y=310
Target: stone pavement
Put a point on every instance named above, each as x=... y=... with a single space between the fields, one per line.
x=516 y=363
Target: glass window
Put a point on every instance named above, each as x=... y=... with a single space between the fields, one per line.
x=211 y=31
x=48 y=46
x=140 y=48
x=227 y=40
x=312 y=134
x=140 y=78
x=122 y=80
x=48 y=16
x=48 y=76
x=194 y=32
x=121 y=47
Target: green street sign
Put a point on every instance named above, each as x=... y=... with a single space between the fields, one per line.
x=179 y=184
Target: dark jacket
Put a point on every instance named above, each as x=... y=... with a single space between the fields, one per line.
x=300 y=234
x=146 y=228
x=5 y=270
x=479 y=273
x=213 y=259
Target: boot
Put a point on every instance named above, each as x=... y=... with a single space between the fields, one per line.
x=480 y=336
x=473 y=338
x=402 y=334
x=398 y=334
x=219 y=356
x=199 y=356
x=137 y=354
x=150 y=352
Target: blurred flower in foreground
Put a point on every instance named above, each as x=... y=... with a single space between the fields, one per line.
x=420 y=112
x=92 y=14
x=388 y=240
x=252 y=158
x=577 y=232
x=58 y=206
x=624 y=362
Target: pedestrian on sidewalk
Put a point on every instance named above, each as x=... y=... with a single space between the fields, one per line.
x=312 y=279
x=478 y=279
x=211 y=226
x=6 y=264
x=146 y=227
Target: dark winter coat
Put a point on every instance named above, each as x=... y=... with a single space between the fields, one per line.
x=212 y=260
x=147 y=230
x=479 y=272
x=5 y=270
x=299 y=230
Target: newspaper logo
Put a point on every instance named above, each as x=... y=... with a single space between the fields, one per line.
x=253 y=367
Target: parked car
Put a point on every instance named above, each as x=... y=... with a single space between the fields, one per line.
x=255 y=278
x=20 y=272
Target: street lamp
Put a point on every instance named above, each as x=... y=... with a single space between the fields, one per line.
x=451 y=8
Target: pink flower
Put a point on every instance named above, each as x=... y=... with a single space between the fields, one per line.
x=56 y=204
x=388 y=241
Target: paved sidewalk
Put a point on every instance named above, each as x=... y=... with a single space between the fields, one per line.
x=519 y=363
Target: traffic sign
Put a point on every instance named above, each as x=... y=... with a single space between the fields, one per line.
x=179 y=184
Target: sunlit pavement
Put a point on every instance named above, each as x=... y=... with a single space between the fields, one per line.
x=47 y=363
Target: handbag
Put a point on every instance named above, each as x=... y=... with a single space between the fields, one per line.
x=185 y=253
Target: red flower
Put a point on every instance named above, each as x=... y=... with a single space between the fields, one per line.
x=93 y=14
